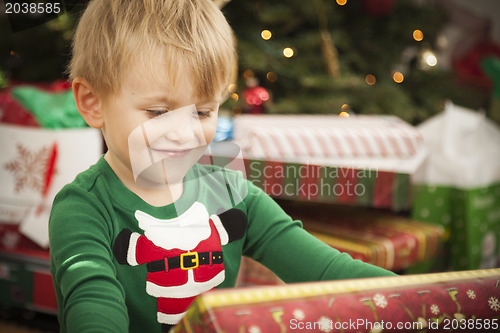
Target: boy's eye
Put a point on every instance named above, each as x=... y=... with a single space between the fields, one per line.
x=202 y=114
x=198 y=114
x=155 y=113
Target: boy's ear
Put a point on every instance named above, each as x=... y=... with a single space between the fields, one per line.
x=87 y=102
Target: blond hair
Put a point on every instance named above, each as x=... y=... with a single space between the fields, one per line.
x=113 y=35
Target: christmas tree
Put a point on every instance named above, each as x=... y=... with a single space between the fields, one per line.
x=35 y=46
x=322 y=56
x=319 y=56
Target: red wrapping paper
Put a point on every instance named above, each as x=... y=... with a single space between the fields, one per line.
x=416 y=303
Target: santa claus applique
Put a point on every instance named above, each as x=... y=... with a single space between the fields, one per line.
x=183 y=255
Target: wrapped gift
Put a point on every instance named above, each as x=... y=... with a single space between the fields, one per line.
x=26 y=282
x=12 y=112
x=458 y=187
x=379 y=238
x=330 y=184
x=363 y=142
x=441 y=302
x=362 y=160
x=314 y=182
x=387 y=240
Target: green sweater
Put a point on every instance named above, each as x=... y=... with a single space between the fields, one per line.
x=106 y=245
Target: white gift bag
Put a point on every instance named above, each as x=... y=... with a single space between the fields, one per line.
x=35 y=164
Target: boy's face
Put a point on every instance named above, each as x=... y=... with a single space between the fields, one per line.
x=153 y=134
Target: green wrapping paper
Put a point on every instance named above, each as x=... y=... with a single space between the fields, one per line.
x=471 y=218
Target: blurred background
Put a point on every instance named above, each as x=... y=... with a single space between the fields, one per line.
x=401 y=57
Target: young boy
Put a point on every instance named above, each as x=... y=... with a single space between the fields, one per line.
x=136 y=237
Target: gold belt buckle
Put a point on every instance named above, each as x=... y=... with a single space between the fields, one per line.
x=194 y=260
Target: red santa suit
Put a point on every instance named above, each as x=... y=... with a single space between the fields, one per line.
x=183 y=257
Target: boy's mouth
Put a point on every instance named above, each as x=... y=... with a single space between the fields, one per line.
x=172 y=153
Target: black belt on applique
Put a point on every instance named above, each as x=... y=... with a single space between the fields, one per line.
x=185 y=261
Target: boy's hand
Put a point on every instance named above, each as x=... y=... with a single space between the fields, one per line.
x=120 y=248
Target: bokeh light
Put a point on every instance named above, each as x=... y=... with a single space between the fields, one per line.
x=370 y=79
x=288 y=52
x=398 y=77
x=418 y=35
x=266 y=34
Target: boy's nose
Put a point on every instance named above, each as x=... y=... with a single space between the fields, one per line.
x=182 y=127
x=179 y=135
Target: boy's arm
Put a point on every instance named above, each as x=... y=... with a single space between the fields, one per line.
x=282 y=245
x=89 y=296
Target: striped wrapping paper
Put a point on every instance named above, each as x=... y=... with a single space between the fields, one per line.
x=319 y=183
x=383 y=142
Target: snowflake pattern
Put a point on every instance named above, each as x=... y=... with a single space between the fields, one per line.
x=380 y=300
x=325 y=324
x=471 y=294
x=29 y=168
x=435 y=309
x=298 y=314
x=10 y=239
x=494 y=303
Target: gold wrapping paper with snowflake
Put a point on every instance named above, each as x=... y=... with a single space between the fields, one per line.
x=380 y=238
x=459 y=187
x=440 y=302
